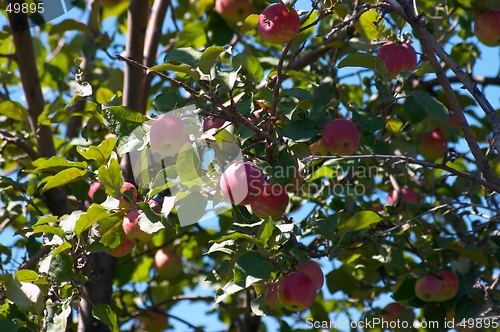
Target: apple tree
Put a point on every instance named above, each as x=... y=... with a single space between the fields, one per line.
x=300 y=159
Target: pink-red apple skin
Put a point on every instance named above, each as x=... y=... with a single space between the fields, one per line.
x=213 y=122
x=167 y=135
x=129 y=190
x=125 y=247
x=168 y=264
x=313 y=271
x=271 y=299
x=398 y=58
x=449 y=285
x=408 y=195
x=487 y=28
x=296 y=291
x=94 y=186
x=132 y=230
x=155 y=206
x=391 y=312
x=433 y=145
x=341 y=136
x=242 y=183
x=278 y=24
x=428 y=288
x=272 y=202
x=153 y=321
x=233 y=11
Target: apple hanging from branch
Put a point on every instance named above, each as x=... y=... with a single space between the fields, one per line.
x=398 y=58
x=278 y=24
x=242 y=183
x=341 y=136
x=296 y=291
x=233 y=11
x=272 y=202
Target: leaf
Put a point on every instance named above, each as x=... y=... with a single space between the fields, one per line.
x=49 y=229
x=365 y=60
x=431 y=105
x=251 y=264
x=111 y=231
x=111 y=178
x=187 y=56
x=104 y=313
x=13 y=110
x=341 y=280
x=26 y=275
x=394 y=125
x=101 y=153
x=56 y=164
x=126 y=114
x=69 y=25
x=64 y=177
x=188 y=166
x=60 y=319
x=208 y=58
x=177 y=68
x=167 y=101
x=361 y=220
x=366 y=25
x=147 y=225
x=250 y=65
x=192 y=208
x=258 y=306
x=26 y=295
x=61 y=268
x=95 y=213
x=250 y=23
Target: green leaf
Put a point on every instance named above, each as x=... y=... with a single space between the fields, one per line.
x=250 y=23
x=111 y=231
x=188 y=166
x=13 y=110
x=250 y=66
x=26 y=295
x=149 y=226
x=99 y=153
x=95 y=213
x=61 y=268
x=64 y=177
x=26 y=276
x=192 y=208
x=177 y=68
x=361 y=220
x=60 y=319
x=123 y=113
x=61 y=248
x=104 y=313
x=366 y=25
x=341 y=280
x=394 y=125
x=367 y=122
x=187 y=56
x=49 y=229
x=251 y=264
x=208 y=58
x=69 y=25
x=56 y=164
x=111 y=178
x=431 y=105
x=365 y=60
x=167 y=101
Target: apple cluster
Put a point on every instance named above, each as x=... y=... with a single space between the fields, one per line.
x=296 y=291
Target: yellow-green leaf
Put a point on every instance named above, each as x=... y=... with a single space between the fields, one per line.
x=64 y=177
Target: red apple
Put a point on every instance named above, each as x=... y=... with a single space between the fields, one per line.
x=213 y=122
x=296 y=291
x=271 y=299
x=391 y=312
x=398 y=57
x=242 y=183
x=153 y=321
x=341 y=136
x=129 y=190
x=272 y=202
x=132 y=230
x=408 y=195
x=94 y=187
x=278 y=24
x=168 y=264
x=487 y=28
x=233 y=11
x=167 y=135
x=313 y=271
x=428 y=288
x=449 y=285
x=125 y=247
x=318 y=148
x=433 y=145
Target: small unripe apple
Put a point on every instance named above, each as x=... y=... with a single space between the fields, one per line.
x=408 y=195
x=125 y=247
x=487 y=28
x=167 y=135
x=242 y=183
x=153 y=321
x=233 y=11
x=428 y=288
x=296 y=291
x=271 y=299
x=398 y=58
x=318 y=148
x=278 y=24
x=272 y=202
x=313 y=271
x=213 y=122
x=129 y=190
x=449 y=285
x=433 y=145
x=132 y=230
x=341 y=136
x=391 y=312
x=168 y=264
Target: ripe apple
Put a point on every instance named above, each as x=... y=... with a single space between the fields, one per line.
x=168 y=264
x=213 y=122
x=271 y=299
x=487 y=28
x=167 y=135
x=433 y=145
x=153 y=321
x=428 y=288
x=123 y=248
x=129 y=190
x=398 y=57
x=313 y=271
x=242 y=183
x=318 y=148
x=391 y=312
x=272 y=202
x=132 y=230
x=278 y=24
x=296 y=291
x=233 y=11
x=449 y=285
x=341 y=136
x=408 y=195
